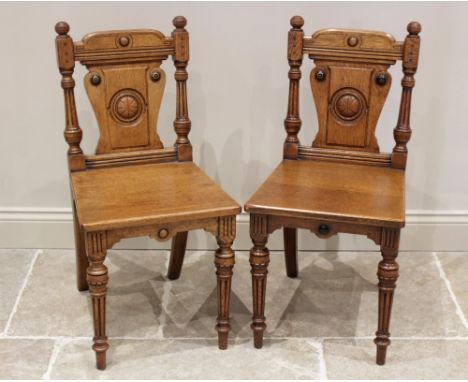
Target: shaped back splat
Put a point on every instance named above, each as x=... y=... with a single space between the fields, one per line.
x=350 y=83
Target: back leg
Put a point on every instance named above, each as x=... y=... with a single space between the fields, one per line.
x=179 y=242
x=80 y=252
x=290 y=251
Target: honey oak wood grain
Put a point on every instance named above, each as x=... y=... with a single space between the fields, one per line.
x=342 y=182
x=133 y=185
x=321 y=189
x=130 y=196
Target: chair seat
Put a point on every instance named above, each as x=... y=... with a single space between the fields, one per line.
x=131 y=196
x=332 y=190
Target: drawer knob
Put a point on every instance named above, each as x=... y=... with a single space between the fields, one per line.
x=323 y=229
x=163 y=232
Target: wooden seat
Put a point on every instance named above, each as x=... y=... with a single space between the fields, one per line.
x=148 y=194
x=342 y=182
x=328 y=190
x=133 y=185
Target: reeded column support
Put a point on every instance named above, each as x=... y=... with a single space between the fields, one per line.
x=388 y=275
x=224 y=262
x=259 y=260
x=96 y=248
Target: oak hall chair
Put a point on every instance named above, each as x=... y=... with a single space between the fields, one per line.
x=133 y=186
x=341 y=183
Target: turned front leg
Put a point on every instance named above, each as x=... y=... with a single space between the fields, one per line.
x=97 y=280
x=388 y=275
x=259 y=259
x=224 y=261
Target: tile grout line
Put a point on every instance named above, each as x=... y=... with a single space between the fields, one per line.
x=443 y=276
x=20 y=293
x=167 y=286
x=58 y=343
x=318 y=345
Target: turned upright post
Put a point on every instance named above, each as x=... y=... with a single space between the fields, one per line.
x=66 y=64
x=402 y=131
x=292 y=123
x=73 y=136
x=182 y=122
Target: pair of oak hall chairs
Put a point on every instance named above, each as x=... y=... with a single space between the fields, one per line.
x=134 y=186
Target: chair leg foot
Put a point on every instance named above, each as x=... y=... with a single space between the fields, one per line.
x=223 y=339
x=100 y=346
x=258 y=337
x=381 y=354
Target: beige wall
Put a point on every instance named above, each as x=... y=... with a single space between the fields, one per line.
x=237 y=96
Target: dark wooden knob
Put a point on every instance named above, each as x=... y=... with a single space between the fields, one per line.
x=323 y=229
x=62 y=28
x=414 y=28
x=381 y=79
x=297 y=22
x=163 y=232
x=179 y=22
x=320 y=75
x=95 y=79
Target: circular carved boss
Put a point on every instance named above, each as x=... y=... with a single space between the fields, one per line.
x=348 y=104
x=127 y=106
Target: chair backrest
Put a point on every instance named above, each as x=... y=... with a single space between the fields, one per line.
x=350 y=83
x=125 y=84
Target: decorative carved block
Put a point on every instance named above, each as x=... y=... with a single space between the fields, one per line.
x=348 y=102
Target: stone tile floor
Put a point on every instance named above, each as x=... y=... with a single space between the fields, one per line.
x=320 y=325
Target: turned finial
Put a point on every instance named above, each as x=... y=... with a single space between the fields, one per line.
x=179 y=22
x=62 y=28
x=413 y=28
x=297 y=22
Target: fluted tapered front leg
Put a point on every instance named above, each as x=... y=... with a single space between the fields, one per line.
x=224 y=261
x=96 y=248
x=259 y=259
x=388 y=275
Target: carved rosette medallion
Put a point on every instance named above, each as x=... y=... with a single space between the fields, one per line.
x=127 y=106
x=347 y=105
